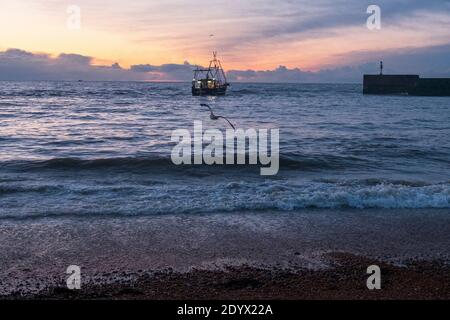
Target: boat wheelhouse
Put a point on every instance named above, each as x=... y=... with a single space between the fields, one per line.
x=211 y=81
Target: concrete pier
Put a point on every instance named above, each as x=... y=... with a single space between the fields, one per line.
x=406 y=85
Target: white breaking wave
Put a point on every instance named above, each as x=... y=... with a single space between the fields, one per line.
x=283 y=196
x=206 y=197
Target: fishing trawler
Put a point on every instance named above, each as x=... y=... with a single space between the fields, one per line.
x=211 y=81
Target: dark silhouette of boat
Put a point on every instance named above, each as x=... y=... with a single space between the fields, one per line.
x=211 y=81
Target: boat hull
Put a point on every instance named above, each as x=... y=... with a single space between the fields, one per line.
x=209 y=91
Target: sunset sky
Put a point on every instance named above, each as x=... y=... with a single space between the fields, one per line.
x=252 y=34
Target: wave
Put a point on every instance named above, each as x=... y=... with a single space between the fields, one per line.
x=323 y=161
x=40 y=93
x=77 y=163
x=5 y=189
x=361 y=194
x=56 y=93
x=174 y=197
x=376 y=181
x=287 y=162
x=245 y=91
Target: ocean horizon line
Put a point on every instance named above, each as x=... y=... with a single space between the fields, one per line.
x=175 y=81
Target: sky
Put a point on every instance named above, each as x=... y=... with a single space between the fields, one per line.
x=257 y=40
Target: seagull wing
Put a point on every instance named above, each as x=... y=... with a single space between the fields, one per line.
x=212 y=116
x=205 y=105
x=227 y=121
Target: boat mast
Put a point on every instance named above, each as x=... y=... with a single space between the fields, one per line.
x=217 y=66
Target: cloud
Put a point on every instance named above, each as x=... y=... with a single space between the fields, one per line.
x=74 y=59
x=253 y=33
x=350 y=74
x=427 y=62
x=284 y=21
x=166 y=71
x=16 y=64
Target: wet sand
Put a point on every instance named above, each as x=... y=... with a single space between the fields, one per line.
x=311 y=254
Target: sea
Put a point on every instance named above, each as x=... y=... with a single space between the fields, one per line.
x=103 y=149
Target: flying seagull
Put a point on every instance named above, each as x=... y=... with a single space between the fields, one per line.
x=212 y=116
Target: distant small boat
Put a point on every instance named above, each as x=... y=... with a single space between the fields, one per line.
x=211 y=81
